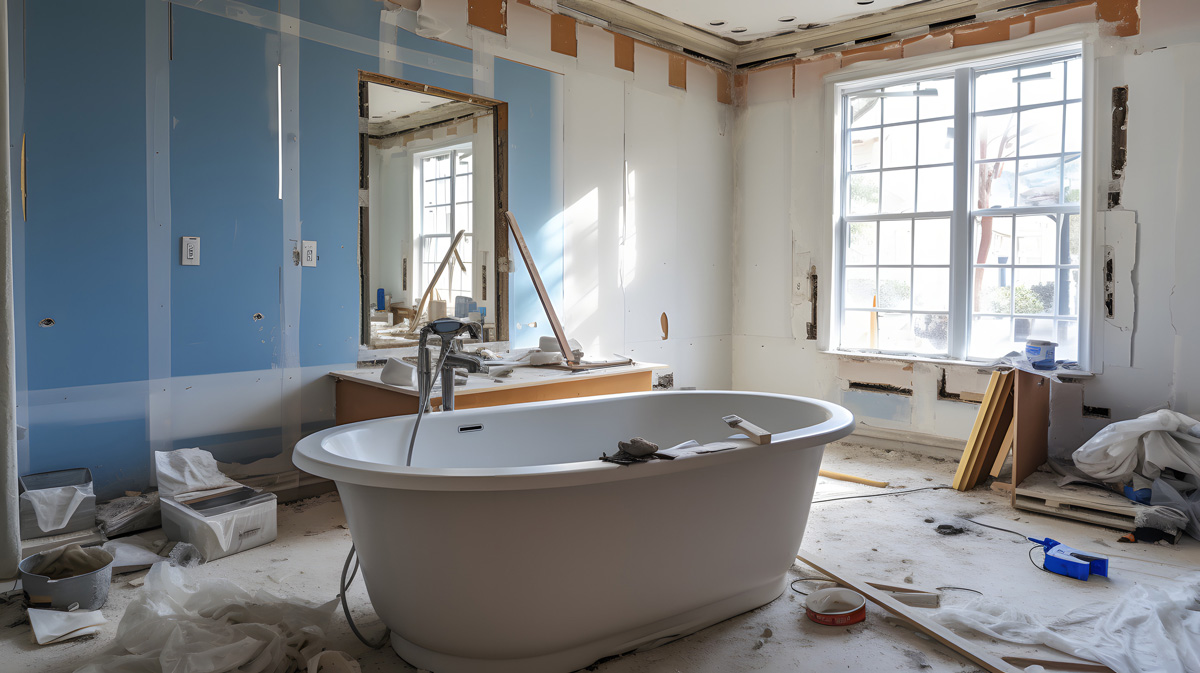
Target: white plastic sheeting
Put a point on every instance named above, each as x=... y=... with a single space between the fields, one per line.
x=1145 y=446
x=1147 y=630
x=180 y=624
x=54 y=507
x=188 y=470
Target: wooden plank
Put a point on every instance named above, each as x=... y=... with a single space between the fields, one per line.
x=929 y=627
x=853 y=479
x=433 y=283
x=977 y=431
x=1095 y=517
x=996 y=404
x=1005 y=447
x=724 y=88
x=997 y=426
x=1058 y=665
x=1032 y=420
x=531 y=266
x=1043 y=486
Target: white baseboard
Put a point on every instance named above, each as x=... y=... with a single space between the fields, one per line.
x=933 y=446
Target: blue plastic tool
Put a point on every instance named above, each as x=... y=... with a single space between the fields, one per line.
x=379 y=300
x=1064 y=560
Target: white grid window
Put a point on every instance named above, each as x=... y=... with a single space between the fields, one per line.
x=446 y=209
x=959 y=222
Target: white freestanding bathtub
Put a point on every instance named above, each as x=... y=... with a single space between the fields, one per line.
x=508 y=548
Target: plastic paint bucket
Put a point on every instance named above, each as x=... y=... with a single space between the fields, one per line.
x=836 y=607
x=1040 y=353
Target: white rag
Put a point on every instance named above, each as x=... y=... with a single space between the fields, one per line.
x=53 y=626
x=1145 y=446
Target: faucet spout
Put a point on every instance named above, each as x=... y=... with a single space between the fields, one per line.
x=447 y=330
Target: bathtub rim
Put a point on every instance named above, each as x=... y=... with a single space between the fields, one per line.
x=312 y=457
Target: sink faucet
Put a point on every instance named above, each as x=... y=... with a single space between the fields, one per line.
x=446 y=329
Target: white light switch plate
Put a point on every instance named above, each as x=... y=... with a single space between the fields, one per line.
x=308 y=253
x=189 y=250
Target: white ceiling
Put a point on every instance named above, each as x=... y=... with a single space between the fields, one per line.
x=386 y=103
x=761 y=18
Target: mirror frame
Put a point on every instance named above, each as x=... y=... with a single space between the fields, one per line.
x=500 y=194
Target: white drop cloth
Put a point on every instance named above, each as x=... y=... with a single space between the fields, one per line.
x=1147 y=630
x=188 y=470
x=1145 y=446
x=181 y=624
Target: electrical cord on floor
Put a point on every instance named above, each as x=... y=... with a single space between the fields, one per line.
x=808 y=579
x=383 y=640
x=1035 y=565
x=1006 y=530
x=880 y=495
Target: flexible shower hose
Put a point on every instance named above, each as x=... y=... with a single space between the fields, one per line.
x=383 y=639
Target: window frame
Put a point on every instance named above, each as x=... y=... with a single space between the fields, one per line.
x=959 y=65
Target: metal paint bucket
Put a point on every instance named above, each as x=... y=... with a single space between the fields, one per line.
x=836 y=607
x=89 y=590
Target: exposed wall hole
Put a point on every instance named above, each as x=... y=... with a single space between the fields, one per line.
x=257 y=317
x=1096 y=412
x=1109 y=284
x=739 y=29
x=787 y=19
x=880 y=388
x=46 y=322
x=716 y=23
x=944 y=394
x=665 y=382
x=1120 y=121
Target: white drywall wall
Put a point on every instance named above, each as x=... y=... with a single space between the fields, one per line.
x=782 y=182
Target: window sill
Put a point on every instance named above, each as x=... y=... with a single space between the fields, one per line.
x=927 y=359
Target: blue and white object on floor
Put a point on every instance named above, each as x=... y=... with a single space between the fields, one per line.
x=1064 y=560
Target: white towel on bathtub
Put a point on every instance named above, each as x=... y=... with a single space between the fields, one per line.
x=693 y=448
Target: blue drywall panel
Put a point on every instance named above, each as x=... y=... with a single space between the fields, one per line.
x=85 y=237
x=357 y=18
x=535 y=191
x=224 y=189
x=329 y=297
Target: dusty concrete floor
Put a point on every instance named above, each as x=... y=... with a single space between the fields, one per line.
x=887 y=539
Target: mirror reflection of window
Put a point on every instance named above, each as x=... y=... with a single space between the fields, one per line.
x=446 y=198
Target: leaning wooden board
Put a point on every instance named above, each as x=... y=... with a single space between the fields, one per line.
x=943 y=635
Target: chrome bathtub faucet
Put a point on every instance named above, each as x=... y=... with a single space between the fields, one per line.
x=447 y=329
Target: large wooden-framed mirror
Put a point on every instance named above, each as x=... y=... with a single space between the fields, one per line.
x=433 y=189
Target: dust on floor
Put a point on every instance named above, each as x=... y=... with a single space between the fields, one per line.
x=890 y=539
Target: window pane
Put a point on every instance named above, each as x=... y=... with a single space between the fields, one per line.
x=1075 y=78
x=462 y=218
x=1068 y=292
x=1068 y=340
x=1042 y=84
x=995 y=184
x=995 y=90
x=1070 y=251
x=937 y=143
x=856 y=329
x=895 y=332
x=1072 y=181
x=1039 y=182
x=860 y=287
x=931 y=242
x=1074 y=128
x=1042 y=131
x=895 y=288
x=464 y=162
x=864 y=149
x=1034 y=293
x=935 y=189
x=991 y=337
x=864 y=111
x=941 y=105
x=931 y=333
x=860 y=247
x=864 y=193
x=900 y=108
x=1031 y=328
x=931 y=289
x=1036 y=236
x=995 y=136
x=993 y=290
x=899 y=191
x=895 y=242
x=900 y=146
x=462 y=189
x=993 y=240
